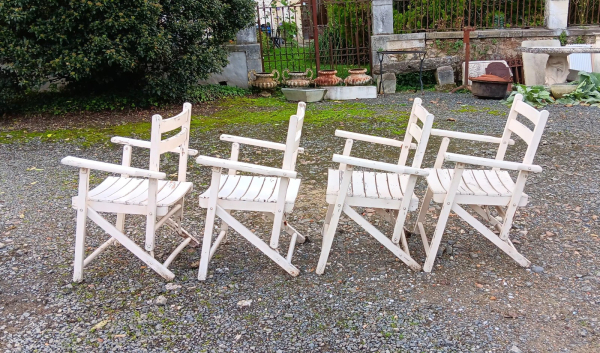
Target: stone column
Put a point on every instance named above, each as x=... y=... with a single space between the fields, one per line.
x=557 y=13
x=383 y=17
x=246 y=36
x=596 y=57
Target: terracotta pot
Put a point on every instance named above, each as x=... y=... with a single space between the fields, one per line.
x=327 y=78
x=263 y=80
x=358 y=77
x=297 y=78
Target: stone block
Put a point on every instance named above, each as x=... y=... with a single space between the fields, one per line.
x=389 y=83
x=234 y=74
x=534 y=65
x=350 y=92
x=246 y=36
x=444 y=75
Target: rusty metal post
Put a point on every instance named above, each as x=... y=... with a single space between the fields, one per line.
x=313 y=4
x=467 y=40
x=262 y=59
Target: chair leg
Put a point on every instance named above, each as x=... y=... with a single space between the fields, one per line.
x=209 y=224
x=327 y=220
x=437 y=237
x=443 y=218
x=82 y=209
x=279 y=212
x=259 y=243
x=423 y=210
x=151 y=216
x=338 y=206
x=505 y=246
x=328 y=238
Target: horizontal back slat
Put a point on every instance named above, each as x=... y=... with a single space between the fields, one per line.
x=421 y=112
x=173 y=142
x=177 y=121
x=521 y=130
x=528 y=111
x=415 y=131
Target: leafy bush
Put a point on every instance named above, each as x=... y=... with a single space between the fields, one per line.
x=587 y=90
x=159 y=48
x=410 y=81
x=537 y=96
x=69 y=101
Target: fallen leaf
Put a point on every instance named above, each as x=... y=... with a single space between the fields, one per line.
x=99 y=325
x=243 y=303
x=478 y=285
x=450 y=119
x=119 y=336
x=35 y=182
x=492 y=298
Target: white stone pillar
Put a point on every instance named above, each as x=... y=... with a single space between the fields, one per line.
x=557 y=13
x=596 y=57
x=246 y=36
x=383 y=17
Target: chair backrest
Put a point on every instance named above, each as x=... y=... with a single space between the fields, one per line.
x=292 y=141
x=181 y=139
x=419 y=134
x=514 y=126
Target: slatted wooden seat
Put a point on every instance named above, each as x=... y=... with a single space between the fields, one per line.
x=136 y=191
x=253 y=189
x=389 y=192
x=483 y=190
x=370 y=189
x=273 y=193
x=475 y=186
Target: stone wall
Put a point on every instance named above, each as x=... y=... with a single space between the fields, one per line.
x=446 y=48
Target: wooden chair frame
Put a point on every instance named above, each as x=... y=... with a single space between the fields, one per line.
x=394 y=210
x=129 y=194
x=462 y=187
x=280 y=181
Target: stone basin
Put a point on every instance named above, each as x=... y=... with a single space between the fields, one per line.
x=307 y=95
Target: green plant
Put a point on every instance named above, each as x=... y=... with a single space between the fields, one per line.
x=410 y=81
x=563 y=38
x=537 y=96
x=587 y=90
x=158 y=47
x=579 y=40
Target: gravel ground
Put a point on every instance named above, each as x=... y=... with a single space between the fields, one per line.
x=477 y=298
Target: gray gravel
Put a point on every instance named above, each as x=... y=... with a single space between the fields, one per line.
x=477 y=299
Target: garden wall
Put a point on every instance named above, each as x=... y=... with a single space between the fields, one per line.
x=447 y=48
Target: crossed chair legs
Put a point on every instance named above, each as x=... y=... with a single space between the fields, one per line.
x=449 y=204
x=118 y=236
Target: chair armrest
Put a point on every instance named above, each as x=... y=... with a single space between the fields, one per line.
x=257 y=143
x=388 y=167
x=245 y=167
x=493 y=163
x=112 y=168
x=145 y=144
x=372 y=139
x=467 y=136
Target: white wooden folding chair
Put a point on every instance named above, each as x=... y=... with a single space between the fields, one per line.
x=273 y=193
x=482 y=189
x=390 y=194
x=136 y=191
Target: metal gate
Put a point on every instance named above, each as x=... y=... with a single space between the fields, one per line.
x=291 y=35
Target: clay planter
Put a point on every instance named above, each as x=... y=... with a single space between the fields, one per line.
x=297 y=78
x=358 y=77
x=263 y=80
x=327 y=78
x=489 y=86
